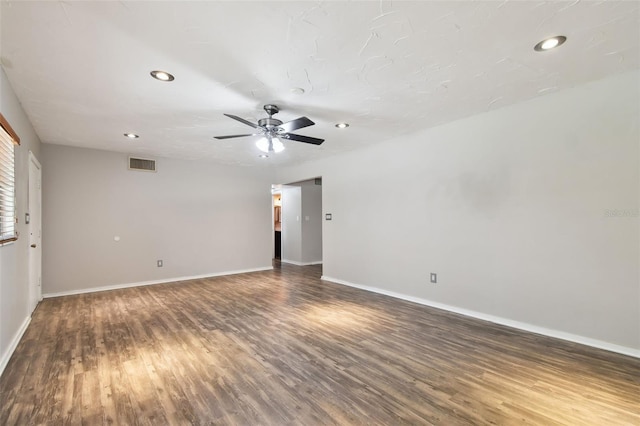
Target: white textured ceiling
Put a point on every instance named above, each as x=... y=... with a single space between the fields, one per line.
x=81 y=69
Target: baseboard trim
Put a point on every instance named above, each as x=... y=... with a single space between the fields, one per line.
x=293 y=262
x=6 y=356
x=575 y=338
x=162 y=281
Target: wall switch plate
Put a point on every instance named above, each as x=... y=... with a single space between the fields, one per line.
x=434 y=278
x=160 y=263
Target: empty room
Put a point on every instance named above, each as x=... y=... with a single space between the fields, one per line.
x=320 y=212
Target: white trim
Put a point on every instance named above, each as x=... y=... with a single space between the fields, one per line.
x=498 y=320
x=35 y=293
x=14 y=344
x=162 y=281
x=293 y=262
x=32 y=157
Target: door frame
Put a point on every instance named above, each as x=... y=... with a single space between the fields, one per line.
x=34 y=201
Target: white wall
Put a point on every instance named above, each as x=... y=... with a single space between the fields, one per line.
x=509 y=207
x=291 y=226
x=14 y=258
x=199 y=218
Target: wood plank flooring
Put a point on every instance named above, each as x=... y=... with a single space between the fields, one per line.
x=283 y=347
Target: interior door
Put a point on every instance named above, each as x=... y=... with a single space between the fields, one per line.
x=35 y=231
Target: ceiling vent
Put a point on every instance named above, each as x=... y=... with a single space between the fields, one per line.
x=143 y=164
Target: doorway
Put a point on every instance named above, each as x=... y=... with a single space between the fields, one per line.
x=298 y=233
x=277 y=225
x=34 y=223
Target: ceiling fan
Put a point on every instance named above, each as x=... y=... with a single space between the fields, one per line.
x=272 y=130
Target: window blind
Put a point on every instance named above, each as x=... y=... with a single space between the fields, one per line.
x=8 y=140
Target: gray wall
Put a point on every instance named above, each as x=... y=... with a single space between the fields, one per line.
x=302 y=223
x=199 y=218
x=14 y=266
x=311 y=250
x=515 y=209
x=291 y=225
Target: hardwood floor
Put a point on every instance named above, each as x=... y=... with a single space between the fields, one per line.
x=282 y=348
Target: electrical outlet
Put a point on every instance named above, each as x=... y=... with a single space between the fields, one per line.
x=160 y=263
x=434 y=278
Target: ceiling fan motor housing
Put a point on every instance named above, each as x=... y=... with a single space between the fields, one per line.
x=269 y=122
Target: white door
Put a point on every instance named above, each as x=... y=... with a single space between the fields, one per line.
x=35 y=231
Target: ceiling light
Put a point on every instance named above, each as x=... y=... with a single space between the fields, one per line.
x=277 y=145
x=297 y=90
x=342 y=125
x=162 y=75
x=263 y=144
x=270 y=144
x=131 y=135
x=549 y=43
x=263 y=156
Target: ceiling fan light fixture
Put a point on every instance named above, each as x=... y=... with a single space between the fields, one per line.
x=549 y=43
x=162 y=75
x=278 y=146
x=263 y=145
x=270 y=144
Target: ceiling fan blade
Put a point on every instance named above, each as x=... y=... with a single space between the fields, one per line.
x=296 y=124
x=305 y=139
x=233 y=136
x=242 y=120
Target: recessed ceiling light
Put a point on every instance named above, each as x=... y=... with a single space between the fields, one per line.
x=162 y=75
x=297 y=90
x=131 y=135
x=263 y=156
x=549 y=43
x=342 y=125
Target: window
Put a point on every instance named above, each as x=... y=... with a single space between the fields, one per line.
x=8 y=140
